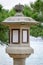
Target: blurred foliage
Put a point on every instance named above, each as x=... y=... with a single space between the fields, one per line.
x=4 y=33
x=12 y=12
x=3 y=29
x=27 y=11
x=36 y=30
x=35 y=10
x=3 y=13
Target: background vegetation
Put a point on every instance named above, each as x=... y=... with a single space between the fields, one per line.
x=35 y=10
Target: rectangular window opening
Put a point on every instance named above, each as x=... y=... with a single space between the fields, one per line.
x=25 y=36
x=15 y=36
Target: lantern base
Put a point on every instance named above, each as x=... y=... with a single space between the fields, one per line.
x=19 y=54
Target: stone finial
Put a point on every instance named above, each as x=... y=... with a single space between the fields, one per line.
x=19 y=8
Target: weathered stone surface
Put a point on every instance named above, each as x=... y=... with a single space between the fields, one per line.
x=19 y=50
x=19 y=61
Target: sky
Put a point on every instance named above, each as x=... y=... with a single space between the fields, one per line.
x=8 y=4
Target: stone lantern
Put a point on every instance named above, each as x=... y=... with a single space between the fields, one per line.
x=19 y=25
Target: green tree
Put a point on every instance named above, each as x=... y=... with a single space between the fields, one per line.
x=3 y=29
x=3 y=13
x=36 y=12
x=11 y=12
x=27 y=11
x=37 y=9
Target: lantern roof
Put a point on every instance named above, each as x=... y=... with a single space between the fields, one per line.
x=19 y=17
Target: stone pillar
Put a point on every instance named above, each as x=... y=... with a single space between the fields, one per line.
x=19 y=61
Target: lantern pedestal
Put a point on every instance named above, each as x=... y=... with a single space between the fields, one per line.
x=19 y=61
